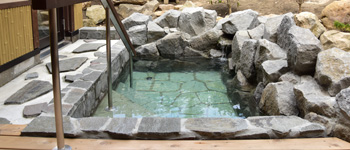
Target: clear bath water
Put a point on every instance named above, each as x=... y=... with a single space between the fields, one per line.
x=192 y=94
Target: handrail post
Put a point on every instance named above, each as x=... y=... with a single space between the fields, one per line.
x=131 y=68
x=56 y=81
x=109 y=68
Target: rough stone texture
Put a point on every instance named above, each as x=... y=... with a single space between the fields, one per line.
x=172 y=45
x=272 y=24
x=159 y=128
x=72 y=78
x=268 y=51
x=32 y=75
x=45 y=126
x=71 y=64
x=190 y=52
x=336 y=11
x=92 y=76
x=91 y=34
x=154 y=32
x=311 y=98
x=192 y=21
x=237 y=44
x=150 y=7
x=273 y=69
x=169 y=19
x=258 y=32
x=216 y=128
x=301 y=45
x=136 y=19
x=206 y=41
x=246 y=64
x=148 y=51
x=334 y=38
x=278 y=99
x=215 y=53
x=258 y=92
x=342 y=132
x=125 y=10
x=66 y=109
x=121 y=127
x=310 y=21
x=87 y=47
x=225 y=44
x=33 y=110
x=343 y=109
x=240 y=82
x=290 y=77
x=242 y=20
x=210 y=18
x=138 y=34
x=166 y=7
x=332 y=70
x=30 y=91
x=96 y=13
x=4 y=121
x=288 y=126
x=92 y=124
x=329 y=123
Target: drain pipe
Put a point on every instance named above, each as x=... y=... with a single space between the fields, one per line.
x=109 y=62
x=56 y=81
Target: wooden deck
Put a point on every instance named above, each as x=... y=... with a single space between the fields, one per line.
x=10 y=139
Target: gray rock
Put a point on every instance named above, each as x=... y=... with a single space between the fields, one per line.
x=159 y=128
x=138 y=34
x=92 y=124
x=32 y=75
x=30 y=91
x=72 y=78
x=33 y=110
x=288 y=126
x=136 y=19
x=237 y=44
x=253 y=133
x=341 y=132
x=218 y=25
x=192 y=21
x=148 y=51
x=301 y=45
x=172 y=45
x=45 y=126
x=81 y=84
x=263 y=19
x=258 y=92
x=241 y=20
x=210 y=18
x=273 y=69
x=240 y=82
x=225 y=44
x=268 y=51
x=272 y=24
x=190 y=52
x=329 y=123
x=258 y=32
x=215 y=53
x=154 y=32
x=332 y=70
x=88 y=47
x=246 y=64
x=278 y=99
x=169 y=19
x=74 y=96
x=206 y=41
x=66 y=109
x=343 y=109
x=290 y=77
x=92 y=76
x=311 y=98
x=4 y=121
x=71 y=64
x=216 y=128
x=121 y=128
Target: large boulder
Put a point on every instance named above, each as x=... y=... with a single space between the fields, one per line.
x=246 y=64
x=258 y=32
x=273 y=69
x=240 y=82
x=125 y=10
x=312 y=98
x=237 y=44
x=136 y=19
x=150 y=7
x=138 y=34
x=278 y=99
x=332 y=70
x=329 y=123
x=336 y=11
x=301 y=44
x=242 y=20
x=168 y=19
x=334 y=38
x=154 y=32
x=147 y=51
x=272 y=24
x=192 y=21
x=290 y=77
x=310 y=21
x=343 y=109
x=206 y=41
x=210 y=18
x=172 y=45
x=96 y=13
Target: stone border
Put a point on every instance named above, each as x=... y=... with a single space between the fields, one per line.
x=98 y=33
x=267 y=127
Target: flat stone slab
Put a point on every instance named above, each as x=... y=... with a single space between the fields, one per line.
x=30 y=91
x=88 y=47
x=159 y=128
x=92 y=124
x=121 y=127
x=71 y=64
x=72 y=78
x=33 y=110
x=32 y=75
x=4 y=121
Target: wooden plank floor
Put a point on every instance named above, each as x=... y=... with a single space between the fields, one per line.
x=13 y=141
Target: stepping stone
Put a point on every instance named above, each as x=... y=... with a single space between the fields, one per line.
x=32 y=75
x=69 y=64
x=33 y=110
x=72 y=78
x=159 y=128
x=30 y=91
x=4 y=121
x=88 y=47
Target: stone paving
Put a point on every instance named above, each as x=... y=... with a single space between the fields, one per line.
x=171 y=94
